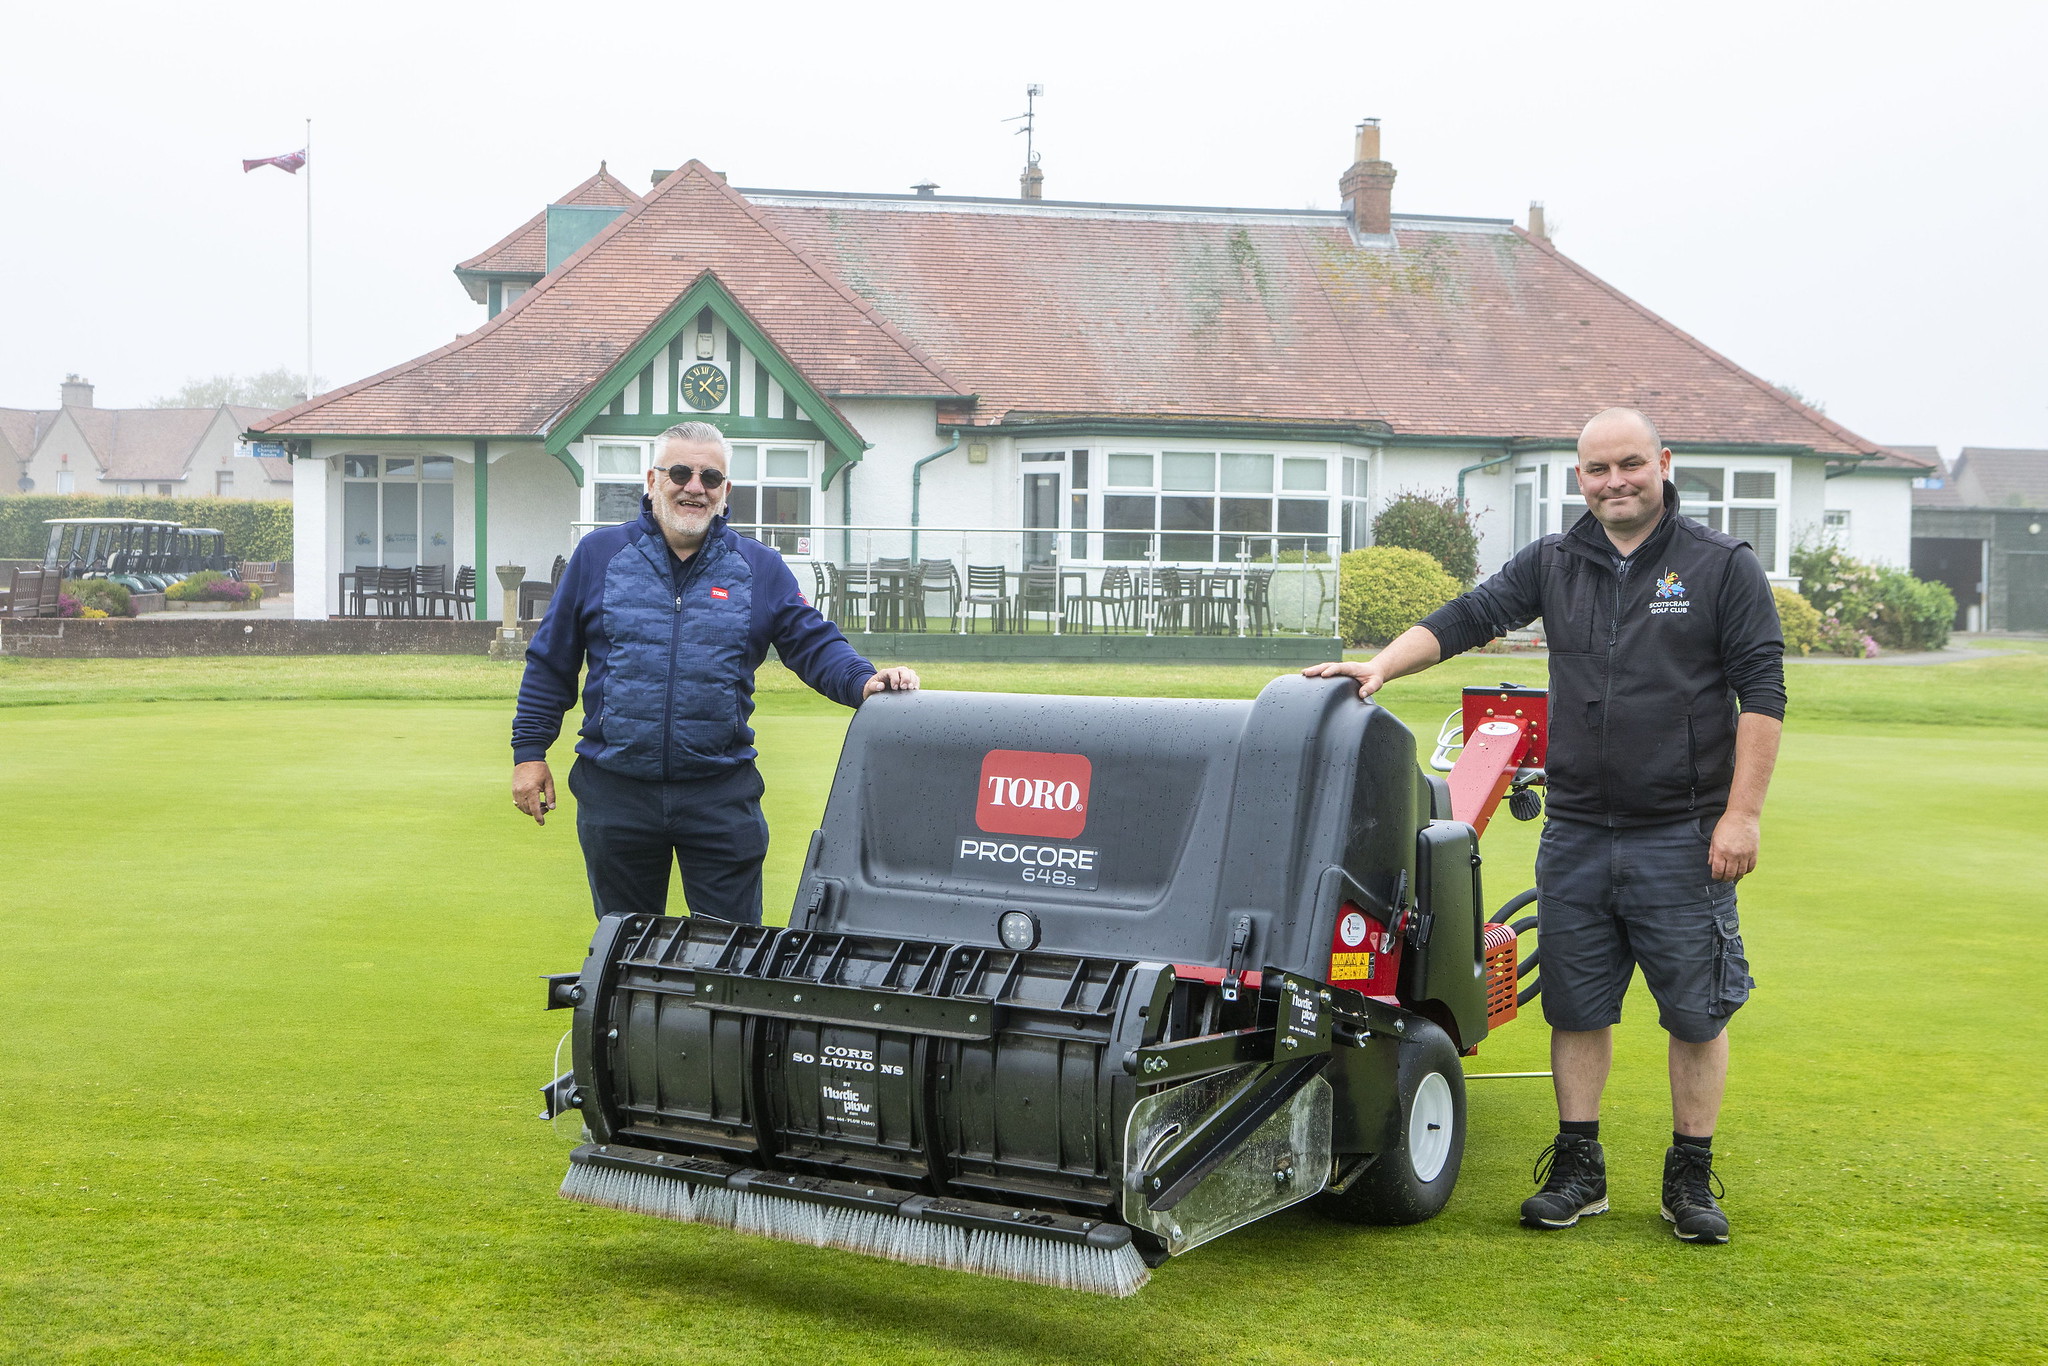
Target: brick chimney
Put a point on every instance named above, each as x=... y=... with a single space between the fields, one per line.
x=1537 y=227
x=1031 y=185
x=77 y=393
x=1368 y=187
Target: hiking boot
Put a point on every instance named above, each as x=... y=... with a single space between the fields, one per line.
x=1573 y=1173
x=1689 y=1190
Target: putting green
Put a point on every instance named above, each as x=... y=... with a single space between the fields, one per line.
x=271 y=1037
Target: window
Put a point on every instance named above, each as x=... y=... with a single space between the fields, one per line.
x=397 y=511
x=771 y=488
x=67 y=482
x=163 y=490
x=1836 y=519
x=1357 y=514
x=224 y=483
x=1210 y=506
x=1741 y=502
x=124 y=490
x=618 y=479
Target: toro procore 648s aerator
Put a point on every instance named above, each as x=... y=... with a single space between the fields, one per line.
x=1071 y=985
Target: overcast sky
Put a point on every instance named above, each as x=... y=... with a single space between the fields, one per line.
x=1849 y=198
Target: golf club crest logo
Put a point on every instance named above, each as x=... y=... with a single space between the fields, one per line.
x=1670 y=598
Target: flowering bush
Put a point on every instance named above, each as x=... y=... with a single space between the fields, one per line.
x=210 y=585
x=1866 y=606
x=1800 y=623
x=68 y=606
x=109 y=597
x=92 y=614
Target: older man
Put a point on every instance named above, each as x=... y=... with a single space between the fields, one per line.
x=1658 y=626
x=673 y=612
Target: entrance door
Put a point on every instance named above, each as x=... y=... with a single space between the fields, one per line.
x=2026 y=592
x=1041 y=515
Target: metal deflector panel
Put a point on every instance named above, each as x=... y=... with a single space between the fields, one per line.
x=1283 y=1162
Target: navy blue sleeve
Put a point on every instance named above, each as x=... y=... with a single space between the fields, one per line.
x=810 y=645
x=1752 y=637
x=554 y=659
x=1508 y=601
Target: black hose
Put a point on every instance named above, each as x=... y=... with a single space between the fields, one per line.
x=1524 y=925
x=1528 y=994
x=1523 y=966
x=1515 y=904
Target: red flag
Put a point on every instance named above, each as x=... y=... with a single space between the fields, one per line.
x=290 y=161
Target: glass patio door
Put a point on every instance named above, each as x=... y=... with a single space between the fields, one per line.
x=1041 y=515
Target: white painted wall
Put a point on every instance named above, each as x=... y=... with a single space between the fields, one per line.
x=1880 y=508
x=316 y=542
x=533 y=499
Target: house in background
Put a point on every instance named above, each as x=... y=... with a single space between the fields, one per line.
x=1980 y=525
x=158 y=452
x=1104 y=382
x=1868 y=507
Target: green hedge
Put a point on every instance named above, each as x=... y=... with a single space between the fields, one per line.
x=1386 y=589
x=256 y=531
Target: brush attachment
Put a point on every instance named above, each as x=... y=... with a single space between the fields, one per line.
x=1117 y=1270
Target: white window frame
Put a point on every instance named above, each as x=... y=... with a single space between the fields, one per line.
x=417 y=479
x=796 y=545
x=1103 y=454
x=1717 y=513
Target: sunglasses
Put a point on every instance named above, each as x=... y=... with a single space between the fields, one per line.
x=679 y=475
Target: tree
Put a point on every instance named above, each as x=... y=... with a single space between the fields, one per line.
x=1437 y=527
x=1792 y=392
x=279 y=388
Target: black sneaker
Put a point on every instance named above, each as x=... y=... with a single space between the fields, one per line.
x=1689 y=1190
x=1573 y=1172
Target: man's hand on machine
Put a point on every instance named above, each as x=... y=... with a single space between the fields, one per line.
x=1371 y=677
x=898 y=679
x=533 y=789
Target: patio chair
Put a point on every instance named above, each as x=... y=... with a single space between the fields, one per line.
x=1038 y=591
x=1258 y=601
x=1176 y=601
x=390 y=590
x=821 y=589
x=1116 y=596
x=534 y=596
x=429 y=588
x=988 y=585
x=940 y=576
x=851 y=588
x=898 y=594
x=459 y=600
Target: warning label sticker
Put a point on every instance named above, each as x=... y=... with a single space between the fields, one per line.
x=1345 y=965
x=1038 y=863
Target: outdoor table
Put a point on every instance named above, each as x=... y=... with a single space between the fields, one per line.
x=892 y=590
x=1077 y=577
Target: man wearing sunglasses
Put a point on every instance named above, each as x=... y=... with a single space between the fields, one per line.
x=672 y=613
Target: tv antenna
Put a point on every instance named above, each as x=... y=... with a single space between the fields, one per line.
x=1029 y=119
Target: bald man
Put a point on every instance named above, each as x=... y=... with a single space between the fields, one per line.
x=1667 y=699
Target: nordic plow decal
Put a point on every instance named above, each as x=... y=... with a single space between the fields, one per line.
x=1034 y=794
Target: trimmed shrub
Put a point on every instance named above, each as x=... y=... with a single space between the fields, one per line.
x=1912 y=614
x=210 y=585
x=1800 y=623
x=1438 y=527
x=1383 y=590
x=255 y=531
x=68 y=606
x=110 y=598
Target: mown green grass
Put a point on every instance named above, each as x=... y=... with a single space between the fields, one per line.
x=270 y=1035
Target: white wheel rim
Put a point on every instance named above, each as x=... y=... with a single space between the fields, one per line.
x=1429 y=1127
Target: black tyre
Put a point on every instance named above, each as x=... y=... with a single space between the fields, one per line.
x=1413 y=1180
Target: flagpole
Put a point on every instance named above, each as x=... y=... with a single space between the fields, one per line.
x=308 y=168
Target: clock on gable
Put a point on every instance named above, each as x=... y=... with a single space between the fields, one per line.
x=704 y=386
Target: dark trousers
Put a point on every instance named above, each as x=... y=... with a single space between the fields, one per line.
x=712 y=828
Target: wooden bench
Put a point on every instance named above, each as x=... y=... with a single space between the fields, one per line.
x=34 y=593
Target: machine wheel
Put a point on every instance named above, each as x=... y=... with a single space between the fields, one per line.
x=1413 y=1180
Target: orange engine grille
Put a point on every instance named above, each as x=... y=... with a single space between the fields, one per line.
x=1501 y=983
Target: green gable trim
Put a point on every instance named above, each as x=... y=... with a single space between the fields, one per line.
x=569 y=464
x=600 y=413
x=735 y=428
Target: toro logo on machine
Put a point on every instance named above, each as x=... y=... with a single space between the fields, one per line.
x=1043 y=797
x=1024 y=792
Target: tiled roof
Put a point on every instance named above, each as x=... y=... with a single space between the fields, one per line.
x=143 y=443
x=1049 y=310
x=21 y=430
x=1999 y=477
x=1919 y=459
x=524 y=250
x=1467 y=328
x=527 y=367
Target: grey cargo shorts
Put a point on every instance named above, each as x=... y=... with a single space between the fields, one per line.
x=1614 y=900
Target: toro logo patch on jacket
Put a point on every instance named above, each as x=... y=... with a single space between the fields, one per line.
x=1027 y=792
x=720 y=593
